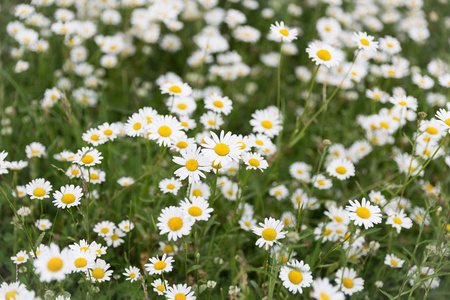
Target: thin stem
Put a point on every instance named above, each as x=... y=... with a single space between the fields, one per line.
x=279 y=78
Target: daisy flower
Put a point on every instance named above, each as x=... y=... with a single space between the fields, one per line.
x=194 y=164
x=109 y=131
x=20 y=258
x=159 y=286
x=14 y=290
x=390 y=45
x=43 y=224
x=219 y=104
x=222 y=150
x=295 y=276
x=265 y=122
x=254 y=161
x=430 y=282
x=200 y=189
x=94 y=137
x=247 y=222
x=4 y=165
x=398 y=220
x=136 y=125
x=338 y=215
x=270 y=232
x=180 y=291
x=24 y=211
x=198 y=208
x=126 y=225
x=88 y=156
x=444 y=116
x=115 y=238
x=100 y=272
x=321 y=182
x=299 y=197
x=177 y=88
x=347 y=280
x=95 y=176
x=163 y=129
x=39 y=189
x=364 y=213
x=125 y=181
x=21 y=191
x=288 y=219
x=68 y=196
x=35 y=149
x=393 y=261
x=181 y=105
x=281 y=33
x=17 y=165
x=170 y=185
x=74 y=171
x=279 y=192
x=377 y=198
x=52 y=264
x=324 y=290
x=132 y=273
x=323 y=54
x=158 y=266
x=211 y=120
x=182 y=141
x=175 y=221
x=365 y=41
x=104 y=228
x=168 y=248
x=81 y=261
x=341 y=168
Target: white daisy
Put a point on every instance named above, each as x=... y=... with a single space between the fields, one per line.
x=398 y=220
x=218 y=103
x=222 y=150
x=158 y=266
x=132 y=273
x=176 y=89
x=323 y=54
x=347 y=280
x=180 y=291
x=364 y=213
x=365 y=41
x=265 y=122
x=68 y=196
x=159 y=286
x=163 y=129
x=281 y=33
x=126 y=225
x=194 y=164
x=324 y=290
x=81 y=261
x=393 y=261
x=115 y=238
x=100 y=272
x=20 y=258
x=341 y=168
x=88 y=156
x=170 y=185
x=198 y=208
x=295 y=276
x=43 y=224
x=254 y=161
x=52 y=264
x=270 y=232
x=35 y=149
x=104 y=228
x=39 y=189
x=175 y=221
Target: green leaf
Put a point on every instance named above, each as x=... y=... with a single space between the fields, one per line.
x=194 y=267
x=39 y=240
x=387 y=294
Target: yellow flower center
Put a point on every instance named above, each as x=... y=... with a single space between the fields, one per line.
x=222 y=149
x=338 y=219
x=98 y=273
x=394 y=262
x=363 y=212
x=341 y=170
x=247 y=223
x=34 y=151
x=126 y=227
x=266 y=124
x=195 y=211
x=211 y=122
x=197 y=193
x=397 y=221
x=447 y=122
x=95 y=137
x=55 y=264
x=104 y=230
x=324 y=296
x=327 y=232
x=192 y=165
x=384 y=125
x=175 y=223
x=284 y=32
x=80 y=262
x=426 y=152
x=269 y=234
x=175 y=89
x=432 y=130
x=10 y=295
x=160 y=288
x=68 y=198
x=170 y=186
x=253 y=162
x=277 y=193
x=182 y=106
x=164 y=131
x=107 y=132
x=137 y=126
x=87 y=159
x=21 y=258
x=84 y=249
x=132 y=275
x=184 y=124
x=182 y=145
x=259 y=142
x=114 y=237
x=321 y=182
x=180 y=296
x=324 y=55
x=93 y=176
x=348 y=283
x=160 y=265
x=39 y=192
x=287 y=221
x=168 y=248
x=295 y=277
x=218 y=103
x=364 y=42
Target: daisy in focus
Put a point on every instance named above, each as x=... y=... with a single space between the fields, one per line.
x=323 y=54
x=341 y=168
x=174 y=221
x=295 y=276
x=270 y=232
x=281 y=33
x=364 y=213
x=365 y=41
x=158 y=266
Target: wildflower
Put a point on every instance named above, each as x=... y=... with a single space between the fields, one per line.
x=100 y=271
x=24 y=211
x=125 y=181
x=364 y=213
x=399 y=220
x=104 y=228
x=175 y=221
x=444 y=116
x=81 y=261
x=68 y=196
x=52 y=264
x=20 y=258
x=340 y=168
x=126 y=225
x=158 y=266
x=180 y=291
x=194 y=164
x=159 y=286
x=323 y=289
x=115 y=238
x=221 y=149
x=393 y=261
x=176 y=89
x=347 y=280
x=267 y=123
x=198 y=208
x=365 y=41
x=131 y=273
x=88 y=156
x=280 y=192
x=270 y=232
x=163 y=129
x=43 y=224
x=254 y=161
x=321 y=182
x=281 y=33
x=323 y=54
x=35 y=149
x=295 y=276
